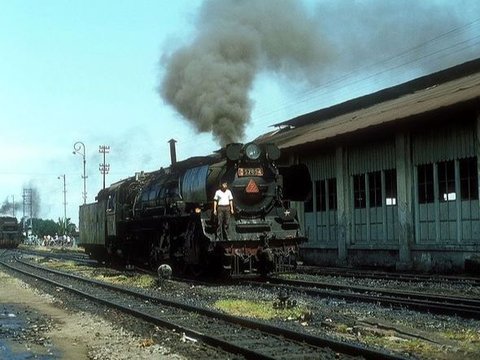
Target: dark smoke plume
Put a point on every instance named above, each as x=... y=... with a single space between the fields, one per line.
x=7 y=207
x=36 y=202
x=31 y=201
x=209 y=80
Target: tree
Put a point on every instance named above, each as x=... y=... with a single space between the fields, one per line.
x=65 y=227
x=48 y=227
x=43 y=227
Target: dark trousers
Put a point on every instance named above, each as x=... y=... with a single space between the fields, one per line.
x=223 y=213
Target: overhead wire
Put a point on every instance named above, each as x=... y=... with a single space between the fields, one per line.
x=328 y=86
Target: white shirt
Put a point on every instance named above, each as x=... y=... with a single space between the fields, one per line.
x=223 y=197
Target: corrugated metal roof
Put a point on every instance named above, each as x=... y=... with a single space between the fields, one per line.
x=450 y=74
x=421 y=101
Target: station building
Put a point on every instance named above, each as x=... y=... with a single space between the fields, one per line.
x=395 y=175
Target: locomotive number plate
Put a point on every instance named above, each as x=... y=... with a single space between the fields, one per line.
x=250 y=172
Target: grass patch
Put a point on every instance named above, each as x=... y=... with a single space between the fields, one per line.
x=342 y=328
x=53 y=249
x=468 y=335
x=61 y=265
x=424 y=349
x=261 y=310
x=141 y=281
x=468 y=340
x=413 y=347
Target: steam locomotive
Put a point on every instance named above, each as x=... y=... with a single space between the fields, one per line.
x=166 y=216
x=9 y=232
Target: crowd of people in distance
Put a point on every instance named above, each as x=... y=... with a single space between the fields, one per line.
x=48 y=240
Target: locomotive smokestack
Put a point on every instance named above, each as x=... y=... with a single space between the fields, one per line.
x=173 y=152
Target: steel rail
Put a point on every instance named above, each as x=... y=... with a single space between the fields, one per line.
x=299 y=337
x=465 y=307
x=475 y=281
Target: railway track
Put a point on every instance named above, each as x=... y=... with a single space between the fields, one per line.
x=447 y=305
x=382 y=275
x=251 y=339
x=77 y=257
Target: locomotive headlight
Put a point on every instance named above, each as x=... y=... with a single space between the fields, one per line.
x=252 y=151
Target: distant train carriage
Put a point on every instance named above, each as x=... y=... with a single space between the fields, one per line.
x=166 y=216
x=9 y=232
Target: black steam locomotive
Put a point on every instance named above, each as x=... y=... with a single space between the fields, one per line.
x=9 y=232
x=166 y=216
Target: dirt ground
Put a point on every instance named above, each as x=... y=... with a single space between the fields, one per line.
x=51 y=332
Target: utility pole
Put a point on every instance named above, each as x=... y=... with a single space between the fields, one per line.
x=64 y=202
x=104 y=168
x=79 y=148
x=13 y=205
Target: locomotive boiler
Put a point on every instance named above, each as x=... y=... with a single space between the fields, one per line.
x=166 y=216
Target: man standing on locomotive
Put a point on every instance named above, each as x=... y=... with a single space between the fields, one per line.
x=223 y=206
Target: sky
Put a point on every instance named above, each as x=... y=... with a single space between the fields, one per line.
x=134 y=74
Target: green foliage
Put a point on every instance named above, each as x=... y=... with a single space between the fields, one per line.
x=260 y=309
x=144 y=281
x=65 y=227
x=43 y=227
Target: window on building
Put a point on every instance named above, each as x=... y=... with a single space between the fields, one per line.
x=332 y=194
x=446 y=181
x=468 y=179
x=359 y=191
x=390 y=187
x=425 y=183
x=323 y=201
x=321 y=195
x=375 y=188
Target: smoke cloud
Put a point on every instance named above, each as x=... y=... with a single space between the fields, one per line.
x=36 y=202
x=28 y=199
x=31 y=200
x=7 y=207
x=367 y=31
x=209 y=80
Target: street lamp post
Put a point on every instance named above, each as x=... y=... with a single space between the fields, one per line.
x=104 y=168
x=64 y=202
x=79 y=148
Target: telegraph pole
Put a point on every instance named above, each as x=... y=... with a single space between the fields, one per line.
x=104 y=168
x=64 y=202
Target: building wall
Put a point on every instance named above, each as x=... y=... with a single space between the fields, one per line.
x=407 y=199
